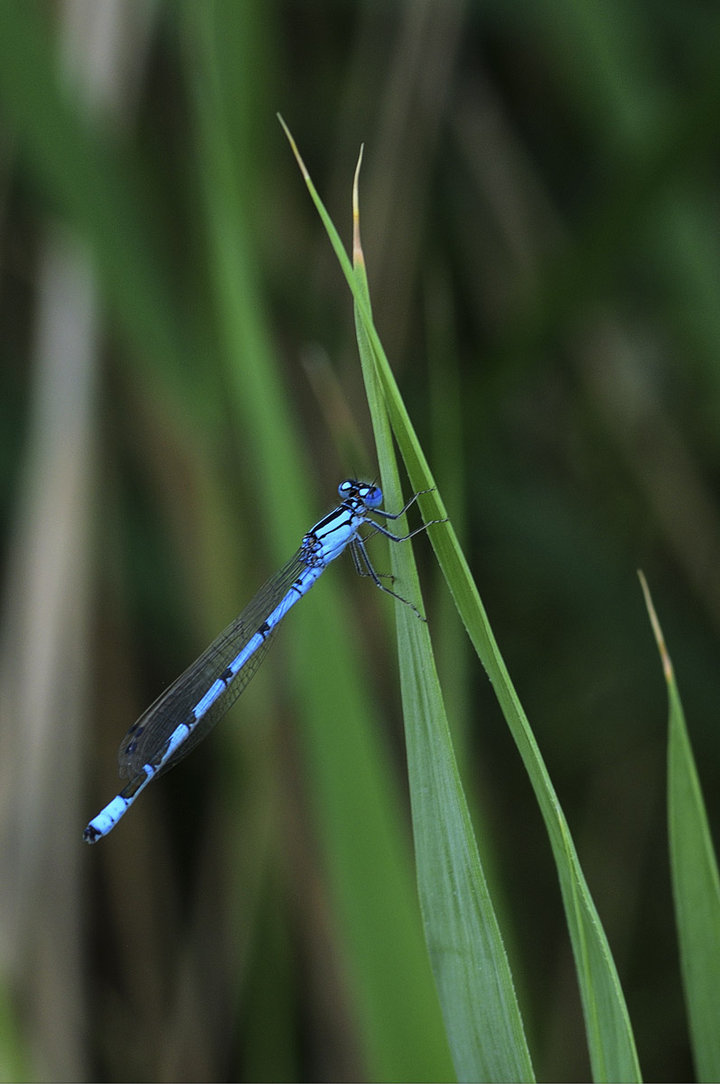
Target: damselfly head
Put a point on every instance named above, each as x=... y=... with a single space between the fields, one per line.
x=370 y=495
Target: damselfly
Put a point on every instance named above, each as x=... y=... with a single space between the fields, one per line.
x=185 y=713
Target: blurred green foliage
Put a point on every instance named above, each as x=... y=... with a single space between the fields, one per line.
x=541 y=233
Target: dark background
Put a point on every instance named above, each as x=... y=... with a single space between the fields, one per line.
x=540 y=222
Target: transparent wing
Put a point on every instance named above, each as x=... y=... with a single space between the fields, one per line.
x=146 y=739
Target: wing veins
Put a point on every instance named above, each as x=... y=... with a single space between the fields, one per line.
x=146 y=739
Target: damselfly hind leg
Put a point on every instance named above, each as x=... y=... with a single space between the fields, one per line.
x=360 y=555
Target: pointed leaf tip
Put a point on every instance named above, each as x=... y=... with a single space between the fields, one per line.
x=293 y=145
x=358 y=258
x=657 y=631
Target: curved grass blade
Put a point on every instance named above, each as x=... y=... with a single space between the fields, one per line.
x=469 y=962
x=464 y=941
x=610 y=1039
x=375 y=917
x=696 y=885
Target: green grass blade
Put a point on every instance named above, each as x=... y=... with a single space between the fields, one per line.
x=696 y=885
x=14 y=1057
x=610 y=1040
x=466 y=949
x=101 y=188
x=354 y=792
x=469 y=962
